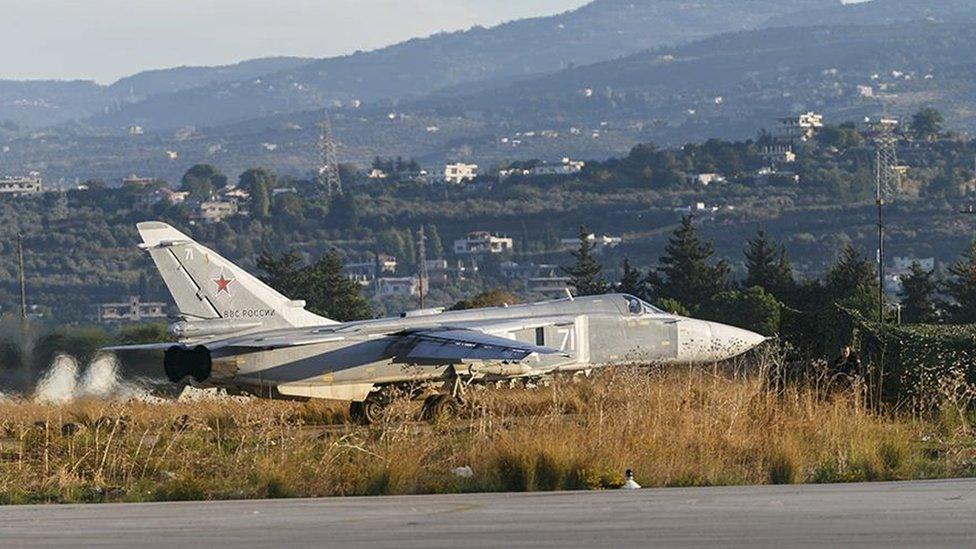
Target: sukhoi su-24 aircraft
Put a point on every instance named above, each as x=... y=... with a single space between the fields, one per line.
x=235 y=331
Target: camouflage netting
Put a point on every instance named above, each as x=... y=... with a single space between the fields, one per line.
x=921 y=366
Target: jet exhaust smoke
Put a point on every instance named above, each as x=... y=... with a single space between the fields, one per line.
x=64 y=382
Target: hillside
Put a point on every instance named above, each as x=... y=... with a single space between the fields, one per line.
x=876 y=12
x=38 y=103
x=601 y=30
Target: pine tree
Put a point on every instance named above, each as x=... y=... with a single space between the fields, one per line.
x=852 y=284
x=685 y=274
x=917 y=296
x=587 y=274
x=961 y=287
x=331 y=293
x=630 y=281
x=768 y=265
x=435 y=246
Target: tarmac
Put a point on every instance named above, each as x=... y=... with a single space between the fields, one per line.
x=892 y=514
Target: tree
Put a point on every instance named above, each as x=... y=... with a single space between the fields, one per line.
x=685 y=274
x=323 y=286
x=260 y=200
x=288 y=206
x=753 y=309
x=586 y=276
x=492 y=298
x=927 y=124
x=961 y=287
x=343 y=212
x=630 y=280
x=435 y=247
x=332 y=294
x=258 y=182
x=917 y=296
x=201 y=180
x=767 y=265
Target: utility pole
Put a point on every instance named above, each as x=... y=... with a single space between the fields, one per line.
x=886 y=180
x=328 y=175
x=422 y=255
x=23 y=277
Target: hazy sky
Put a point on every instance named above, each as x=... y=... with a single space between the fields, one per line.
x=107 y=39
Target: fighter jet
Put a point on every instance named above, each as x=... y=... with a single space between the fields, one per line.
x=235 y=331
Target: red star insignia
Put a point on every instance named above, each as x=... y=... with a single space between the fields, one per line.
x=222 y=284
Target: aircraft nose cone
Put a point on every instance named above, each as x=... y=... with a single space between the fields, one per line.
x=729 y=341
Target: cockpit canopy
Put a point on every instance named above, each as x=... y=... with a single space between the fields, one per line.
x=637 y=306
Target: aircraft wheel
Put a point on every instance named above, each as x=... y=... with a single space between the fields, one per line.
x=368 y=412
x=441 y=408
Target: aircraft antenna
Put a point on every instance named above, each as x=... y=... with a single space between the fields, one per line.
x=328 y=172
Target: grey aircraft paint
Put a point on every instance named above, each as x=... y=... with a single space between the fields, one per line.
x=236 y=331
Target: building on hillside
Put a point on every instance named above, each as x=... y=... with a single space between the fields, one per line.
x=365 y=272
x=480 y=242
x=236 y=195
x=459 y=173
x=21 y=186
x=600 y=243
x=780 y=153
x=803 y=126
x=511 y=270
x=772 y=176
x=548 y=286
x=215 y=211
x=704 y=179
x=398 y=286
x=133 y=180
x=133 y=310
x=441 y=272
x=566 y=167
x=377 y=173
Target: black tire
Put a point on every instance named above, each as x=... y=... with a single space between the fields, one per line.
x=368 y=412
x=442 y=408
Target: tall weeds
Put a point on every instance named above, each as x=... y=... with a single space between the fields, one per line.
x=741 y=423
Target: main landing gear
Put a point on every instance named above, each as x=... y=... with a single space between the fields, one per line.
x=442 y=406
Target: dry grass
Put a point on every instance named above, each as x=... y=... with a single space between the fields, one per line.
x=674 y=428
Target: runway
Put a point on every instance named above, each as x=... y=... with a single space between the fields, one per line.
x=906 y=514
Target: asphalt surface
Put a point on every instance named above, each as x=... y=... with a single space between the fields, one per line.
x=906 y=514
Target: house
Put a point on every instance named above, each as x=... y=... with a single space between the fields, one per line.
x=377 y=173
x=133 y=310
x=600 y=243
x=21 y=186
x=566 y=167
x=480 y=242
x=704 y=179
x=215 y=211
x=398 y=286
x=778 y=154
x=133 y=180
x=803 y=127
x=236 y=195
x=440 y=272
x=459 y=173
x=366 y=272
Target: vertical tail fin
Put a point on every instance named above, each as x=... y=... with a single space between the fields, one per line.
x=207 y=287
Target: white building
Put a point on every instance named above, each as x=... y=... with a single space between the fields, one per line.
x=600 y=243
x=566 y=167
x=778 y=154
x=704 y=179
x=133 y=310
x=21 y=186
x=459 y=172
x=480 y=242
x=133 y=180
x=398 y=286
x=366 y=272
x=803 y=126
x=212 y=212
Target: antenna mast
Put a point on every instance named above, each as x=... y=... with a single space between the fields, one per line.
x=886 y=181
x=23 y=278
x=328 y=175
x=422 y=254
